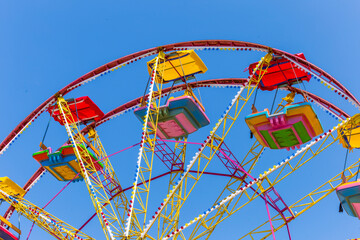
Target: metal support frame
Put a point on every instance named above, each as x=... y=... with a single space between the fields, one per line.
x=267 y=180
x=209 y=148
x=109 y=180
x=43 y=219
x=93 y=179
x=140 y=194
x=176 y=46
x=171 y=213
x=305 y=203
x=281 y=208
x=207 y=225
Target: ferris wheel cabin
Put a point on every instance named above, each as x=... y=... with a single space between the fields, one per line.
x=350 y=133
x=178 y=65
x=182 y=115
x=280 y=72
x=179 y=117
x=63 y=164
x=83 y=110
x=14 y=190
x=10 y=187
x=297 y=125
x=349 y=196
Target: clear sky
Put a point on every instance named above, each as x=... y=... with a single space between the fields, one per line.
x=45 y=45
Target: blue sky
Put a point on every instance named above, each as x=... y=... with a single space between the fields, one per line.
x=46 y=45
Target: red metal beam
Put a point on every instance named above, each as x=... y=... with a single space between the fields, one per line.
x=204 y=83
x=209 y=83
x=239 y=45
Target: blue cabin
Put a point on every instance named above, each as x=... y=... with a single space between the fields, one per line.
x=349 y=196
x=63 y=164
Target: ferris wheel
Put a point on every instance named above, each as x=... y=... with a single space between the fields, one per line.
x=181 y=143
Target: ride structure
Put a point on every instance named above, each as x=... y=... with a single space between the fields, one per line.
x=173 y=121
x=13 y=194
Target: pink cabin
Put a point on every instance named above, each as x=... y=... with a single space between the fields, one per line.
x=178 y=118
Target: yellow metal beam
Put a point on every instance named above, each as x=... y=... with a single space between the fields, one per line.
x=305 y=203
x=117 y=196
x=90 y=145
x=100 y=199
x=2 y=219
x=206 y=226
x=215 y=139
x=267 y=180
x=43 y=219
x=171 y=214
x=140 y=193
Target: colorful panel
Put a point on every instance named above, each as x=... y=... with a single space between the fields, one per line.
x=311 y=121
x=285 y=138
x=302 y=132
x=269 y=140
x=178 y=65
x=171 y=128
x=74 y=165
x=356 y=207
x=57 y=176
x=61 y=166
x=185 y=123
x=179 y=117
x=65 y=171
x=298 y=124
x=42 y=155
x=67 y=150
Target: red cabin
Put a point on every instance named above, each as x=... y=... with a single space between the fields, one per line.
x=83 y=110
x=280 y=72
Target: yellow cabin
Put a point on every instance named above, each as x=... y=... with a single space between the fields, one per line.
x=351 y=133
x=178 y=65
x=11 y=188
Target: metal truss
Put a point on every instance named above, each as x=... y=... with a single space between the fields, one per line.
x=206 y=226
x=171 y=213
x=43 y=219
x=109 y=179
x=207 y=151
x=265 y=182
x=305 y=203
x=143 y=173
x=92 y=176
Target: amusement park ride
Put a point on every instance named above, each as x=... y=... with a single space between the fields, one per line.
x=169 y=114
